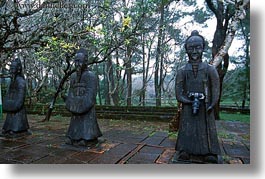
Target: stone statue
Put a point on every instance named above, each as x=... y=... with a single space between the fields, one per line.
x=13 y=103
x=81 y=100
x=197 y=88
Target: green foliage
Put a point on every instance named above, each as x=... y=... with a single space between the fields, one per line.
x=118 y=31
x=45 y=96
x=235 y=117
x=55 y=49
x=225 y=135
x=236 y=86
x=200 y=16
x=172 y=135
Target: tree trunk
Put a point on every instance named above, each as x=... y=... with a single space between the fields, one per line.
x=247 y=71
x=107 y=83
x=142 y=92
x=218 y=40
x=221 y=69
x=110 y=77
x=224 y=36
x=98 y=84
x=146 y=64
x=116 y=85
x=247 y=82
x=128 y=65
x=246 y=34
x=112 y=90
x=59 y=89
x=43 y=81
x=158 y=61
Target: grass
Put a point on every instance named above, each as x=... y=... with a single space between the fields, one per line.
x=226 y=135
x=235 y=117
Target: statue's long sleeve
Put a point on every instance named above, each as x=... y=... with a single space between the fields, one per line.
x=83 y=102
x=14 y=102
x=179 y=87
x=215 y=85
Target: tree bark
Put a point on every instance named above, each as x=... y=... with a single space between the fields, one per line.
x=142 y=92
x=128 y=71
x=159 y=60
x=218 y=40
x=233 y=27
x=247 y=68
x=98 y=84
x=227 y=31
x=116 y=85
x=107 y=83
x=110 y=76
x=67 y=73
x=59 y=89
x=111 y=82
x=223 y=37
x=247 y=73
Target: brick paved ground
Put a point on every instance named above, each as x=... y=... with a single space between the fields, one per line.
x=123 y=142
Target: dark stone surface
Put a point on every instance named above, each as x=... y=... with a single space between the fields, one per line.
x=141 y=146
x=197 y=89
x=236 y=150
x=169 y=143
x=81 y=100
x=115 y=154
x=166 y=156
x=161 y=134
x=51 y=160
x=86 y=157
x=153 y=140
x=125 y=136
x=16 y=122
x=9 y=144
x=151 y=150
x=143 y=158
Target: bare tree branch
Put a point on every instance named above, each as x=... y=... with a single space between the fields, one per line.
x=238 y=16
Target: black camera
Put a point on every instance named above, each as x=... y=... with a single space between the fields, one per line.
x=196 y=97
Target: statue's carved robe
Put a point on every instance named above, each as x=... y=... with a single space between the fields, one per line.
x=13 y=104
x=81 y=103
x=197 y=136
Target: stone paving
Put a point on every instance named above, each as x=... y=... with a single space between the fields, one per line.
x=123 y=142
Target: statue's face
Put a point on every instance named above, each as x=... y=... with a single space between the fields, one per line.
x=13 y=68
x=80 y=61
x=194 y=48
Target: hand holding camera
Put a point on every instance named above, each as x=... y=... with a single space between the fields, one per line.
x=196 y=98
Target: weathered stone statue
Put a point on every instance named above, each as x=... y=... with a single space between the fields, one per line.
x=13 y=103
x=197 y=88
x=81 y=100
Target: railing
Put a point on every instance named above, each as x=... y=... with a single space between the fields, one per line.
x=126 y=112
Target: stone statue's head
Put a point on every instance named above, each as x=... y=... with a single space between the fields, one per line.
x=194 y=46
x=16 y=66
x=81 y=59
